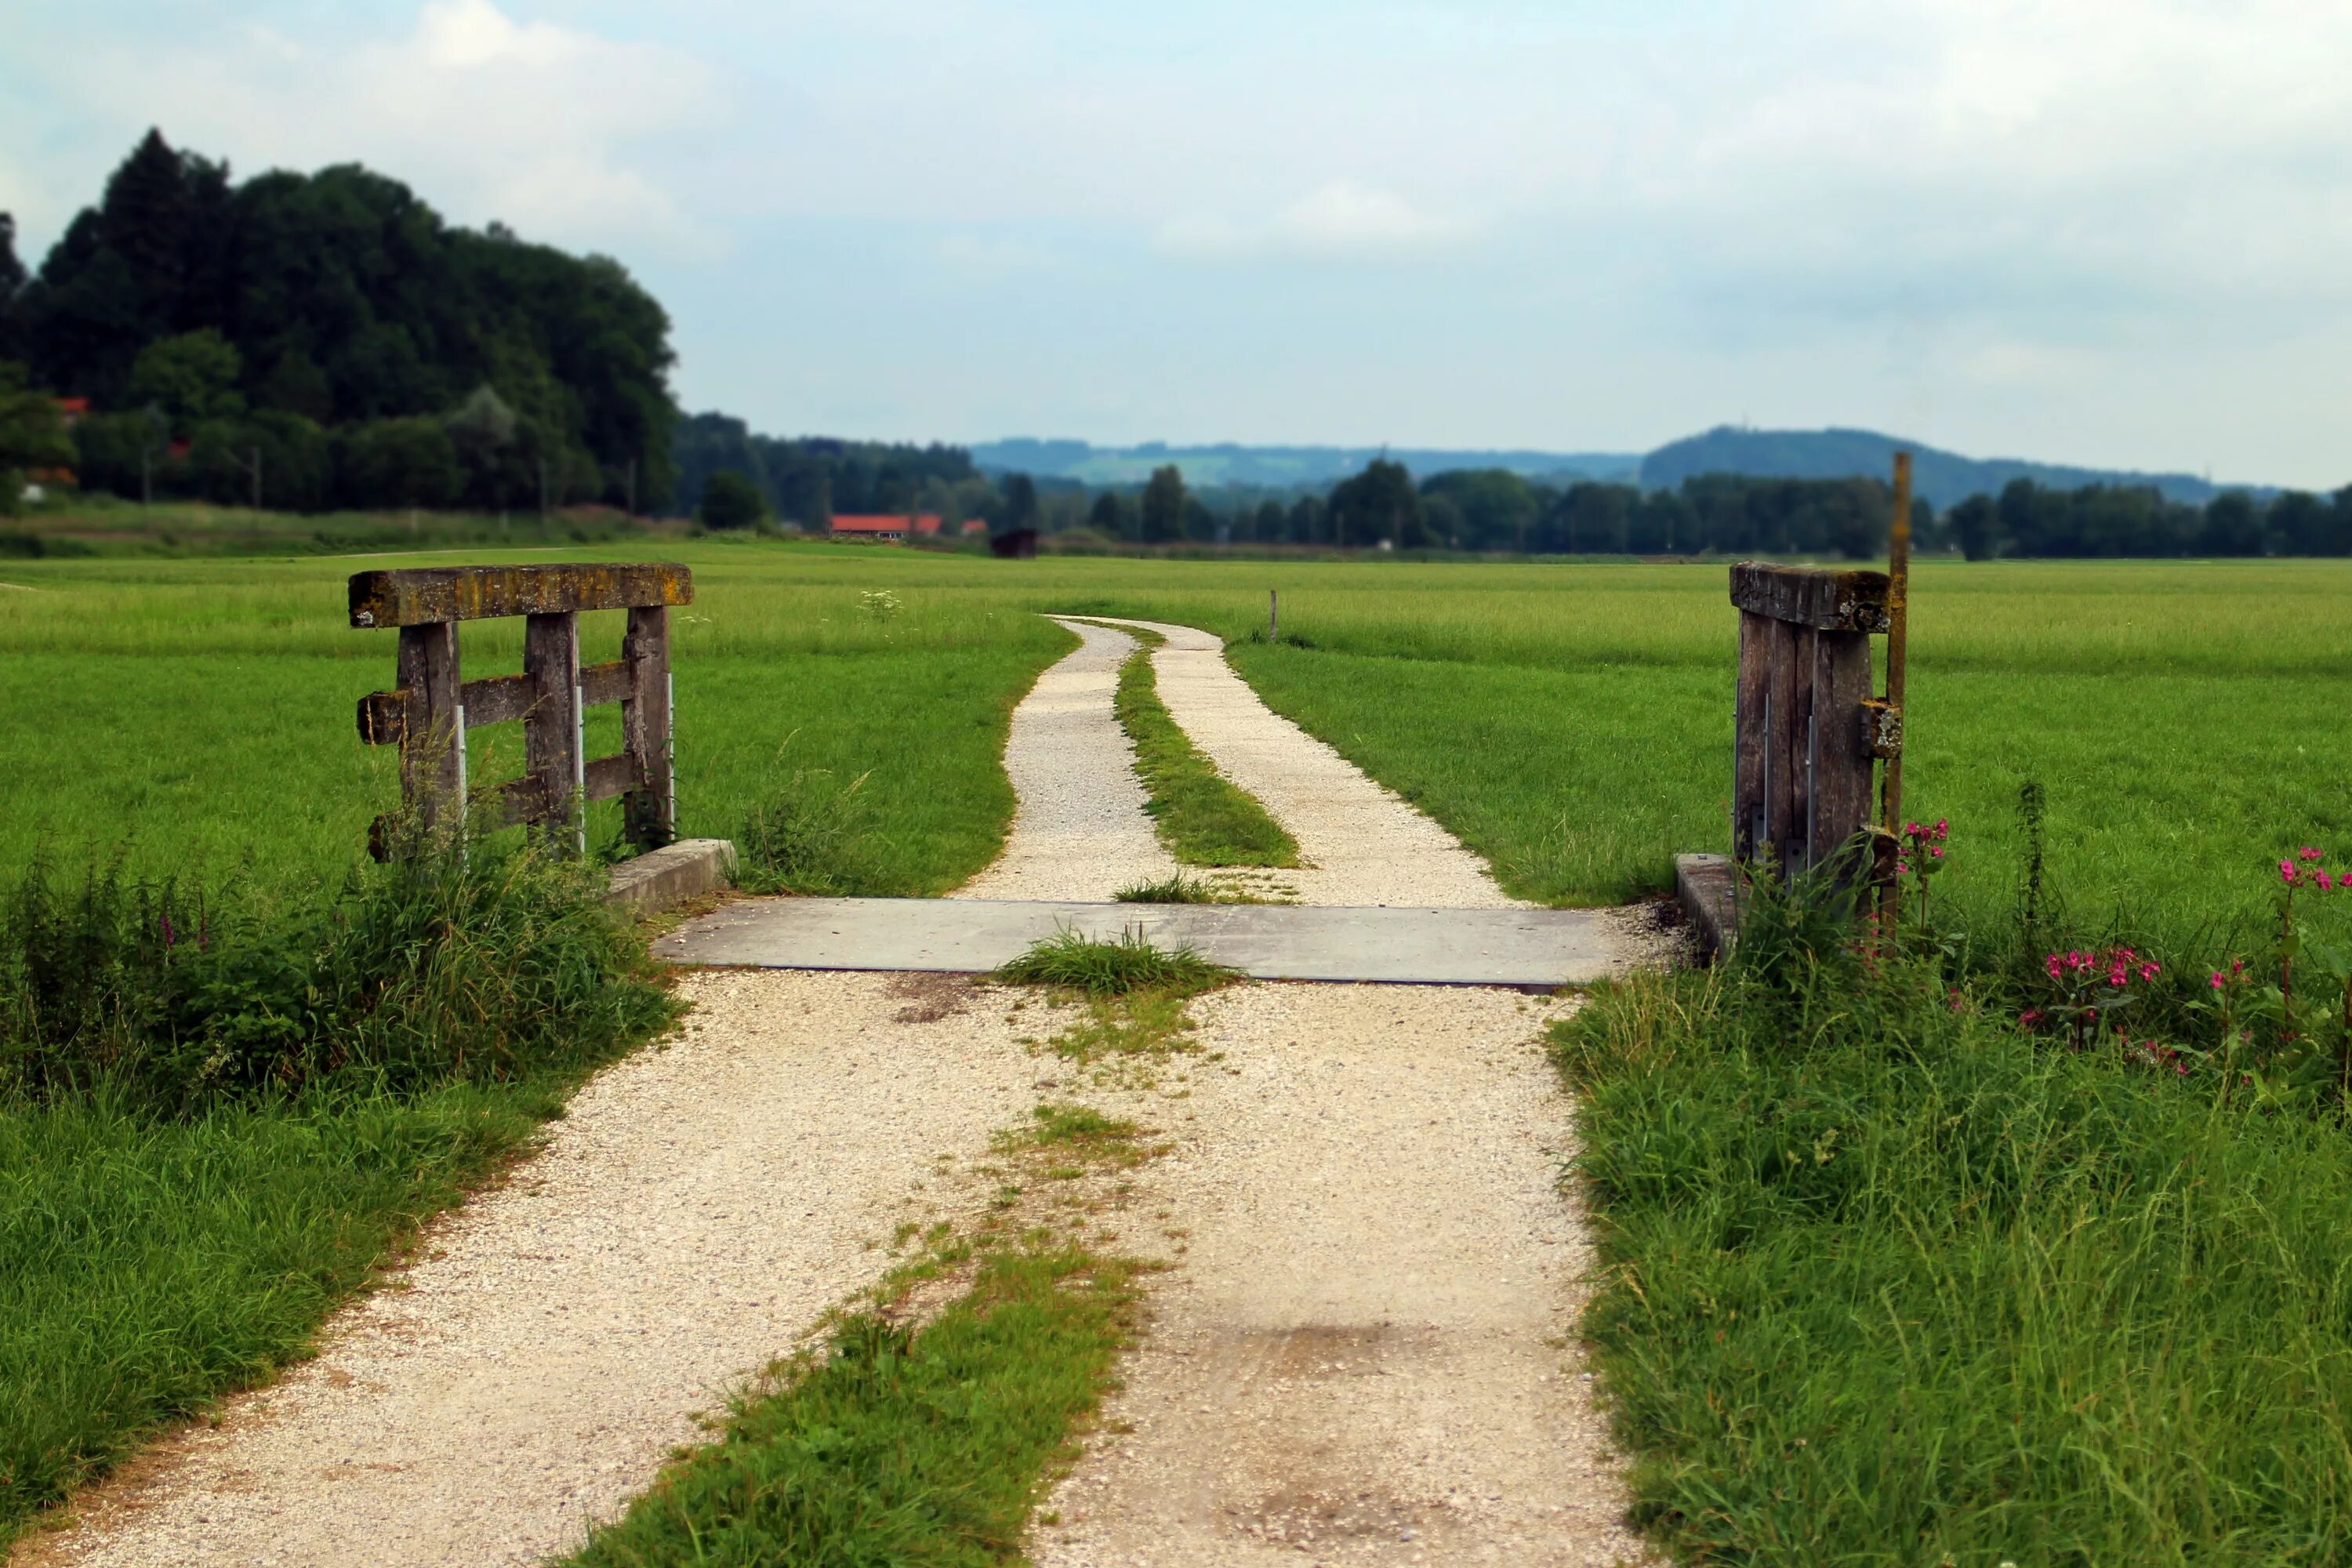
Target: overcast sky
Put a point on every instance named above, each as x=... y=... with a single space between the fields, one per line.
x=2101 y=231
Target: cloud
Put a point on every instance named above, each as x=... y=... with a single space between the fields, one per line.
x=1340 y=219
x=558 y=131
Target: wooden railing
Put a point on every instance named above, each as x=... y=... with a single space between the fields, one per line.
x=428 y=713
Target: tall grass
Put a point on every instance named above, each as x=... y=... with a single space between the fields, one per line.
x=1887 y=1280
x=459 y=961
x=218 y=1112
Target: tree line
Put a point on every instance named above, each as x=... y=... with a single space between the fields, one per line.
x=328 y=339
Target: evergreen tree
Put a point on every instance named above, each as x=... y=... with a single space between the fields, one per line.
x=1163 y=507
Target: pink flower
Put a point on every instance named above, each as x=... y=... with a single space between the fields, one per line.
x=2219 y=980
x=2148 y=971
x=2031 y=1017
x=2287 y=872
x=1935 y=853
x=2054 y=965
x=2308 y=853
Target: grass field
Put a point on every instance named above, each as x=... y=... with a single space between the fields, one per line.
x=1570 y=721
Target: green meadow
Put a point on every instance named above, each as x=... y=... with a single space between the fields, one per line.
x=842 y=711
x=1572 y=721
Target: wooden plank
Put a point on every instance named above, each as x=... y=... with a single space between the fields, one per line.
x=1802 y=849
x=1841 y=740
x=649 y=814
x=1827 y=600
x=1783 y=741
x=502 y=699
x=550 y=731
x=608 y=776
x=421 y=596
x=432 y=759
x=1747 y=736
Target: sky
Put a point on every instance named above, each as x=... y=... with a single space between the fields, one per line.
x=2109 y=232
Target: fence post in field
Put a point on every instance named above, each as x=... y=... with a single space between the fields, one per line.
x=427 y=714
x=1273 y=617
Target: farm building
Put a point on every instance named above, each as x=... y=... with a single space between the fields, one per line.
x=888 y=529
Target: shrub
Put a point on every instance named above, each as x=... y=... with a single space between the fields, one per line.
x=463 y=960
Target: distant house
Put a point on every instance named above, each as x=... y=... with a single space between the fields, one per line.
x=885 y=529
x=73 y=410
x=972 y=525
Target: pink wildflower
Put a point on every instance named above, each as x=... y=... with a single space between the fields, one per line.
x=2308 y=853
x=2219 y=980
x=2148 y=970
x=1937 y=853
x=2287 y=872
x=2054 y=965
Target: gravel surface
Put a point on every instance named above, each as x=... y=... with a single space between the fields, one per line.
x=693 y=1216
x=1365 y=843
x=1367 y=1352
x=1080 y=831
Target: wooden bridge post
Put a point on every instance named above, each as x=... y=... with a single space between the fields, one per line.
x=551 y=723
x=649 y=812
x=1805 y=735
x=432 y=745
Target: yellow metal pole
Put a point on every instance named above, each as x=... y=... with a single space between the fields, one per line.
x=1898 y=597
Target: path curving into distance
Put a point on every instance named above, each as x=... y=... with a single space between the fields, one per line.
x=1363 y=844
x=1364 y=1353
x=1079 y=830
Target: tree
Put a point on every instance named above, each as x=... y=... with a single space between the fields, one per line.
x=2232 y=526
x=191 y=377
x=729 y=500
x=32 y=435
x=1272 y=521
x=1109 y=516
x=396 y=463
x=1308 y=522
x=1020 y=508
x=1377 y=504
x=1975 y=524
x=1495 y=508
x=12 y=284
x=1163 y=506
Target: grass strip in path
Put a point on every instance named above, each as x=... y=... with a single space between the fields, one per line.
x=1202 y=817
x=1926 y=1291
x=921 y=1436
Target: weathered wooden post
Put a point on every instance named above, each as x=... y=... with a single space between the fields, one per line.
x=1805 y=727
x=433 y=707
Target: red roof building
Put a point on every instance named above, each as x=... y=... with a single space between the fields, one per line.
x=886 y=528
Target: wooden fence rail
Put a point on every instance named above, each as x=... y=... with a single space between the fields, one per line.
x=427 y=713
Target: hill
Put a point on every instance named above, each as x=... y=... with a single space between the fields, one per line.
x=1276 y=467
x=1941 y=478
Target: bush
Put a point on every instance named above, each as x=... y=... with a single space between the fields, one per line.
x=461 y=962
x=812 y=834
x=730 y=500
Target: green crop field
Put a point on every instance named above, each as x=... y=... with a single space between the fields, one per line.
x=1572 y=721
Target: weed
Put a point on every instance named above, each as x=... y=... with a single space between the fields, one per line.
x=1071 y=960
x=809 y=834
x=1178 y=889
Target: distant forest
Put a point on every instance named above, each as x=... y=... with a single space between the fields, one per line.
x=304 y=343
x=327 y=341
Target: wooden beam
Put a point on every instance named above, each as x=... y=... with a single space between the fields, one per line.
x=432 y=753
x=550 y=731
x=1824 y=599
x=608 y=776
x=503 y=699
x=649 y=814
x=422 y=595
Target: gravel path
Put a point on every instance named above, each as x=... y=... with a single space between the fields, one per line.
x=1365 y=844
x=1080 y=831
x=694 y=1213
x=1361 y=1357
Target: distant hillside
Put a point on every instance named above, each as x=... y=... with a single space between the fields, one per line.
x=1228 y=463
x=1943 y=478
